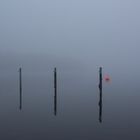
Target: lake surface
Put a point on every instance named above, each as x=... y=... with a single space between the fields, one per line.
x=77 y=37
x=77 y=105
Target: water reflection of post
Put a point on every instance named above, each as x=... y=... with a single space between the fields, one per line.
x=55 y=91
x=100 y=90
x=20 y=88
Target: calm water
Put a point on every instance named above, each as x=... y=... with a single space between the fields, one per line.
x=77 y=37
x=77 y=109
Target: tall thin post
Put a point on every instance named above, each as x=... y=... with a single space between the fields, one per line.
x=55 y=91
x=20 y=88
x=100 y=90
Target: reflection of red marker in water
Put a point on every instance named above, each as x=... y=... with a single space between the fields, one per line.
x=107 y=78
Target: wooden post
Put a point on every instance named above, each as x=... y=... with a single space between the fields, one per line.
x=100 y=78
x=55 y=91
x=20 y=88
x=100 y=90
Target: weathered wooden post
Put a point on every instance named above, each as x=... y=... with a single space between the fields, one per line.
x=100 y=90
x=20 y=88
x=100 y=78
x=55 y=91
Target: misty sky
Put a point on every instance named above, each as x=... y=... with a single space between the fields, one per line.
x=104 y=32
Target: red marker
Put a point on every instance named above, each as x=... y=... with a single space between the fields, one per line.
x=106 y=78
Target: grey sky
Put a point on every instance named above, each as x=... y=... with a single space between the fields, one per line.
x=103 y=32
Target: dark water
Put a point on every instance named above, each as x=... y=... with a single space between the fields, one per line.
x=77 y=106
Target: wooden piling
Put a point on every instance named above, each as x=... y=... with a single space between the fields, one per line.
x=20 y=88
x=100 y=98
x=55 y=91
x=100 y=78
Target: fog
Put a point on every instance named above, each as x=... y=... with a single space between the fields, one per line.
x=91 y=31
x=77 y=37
